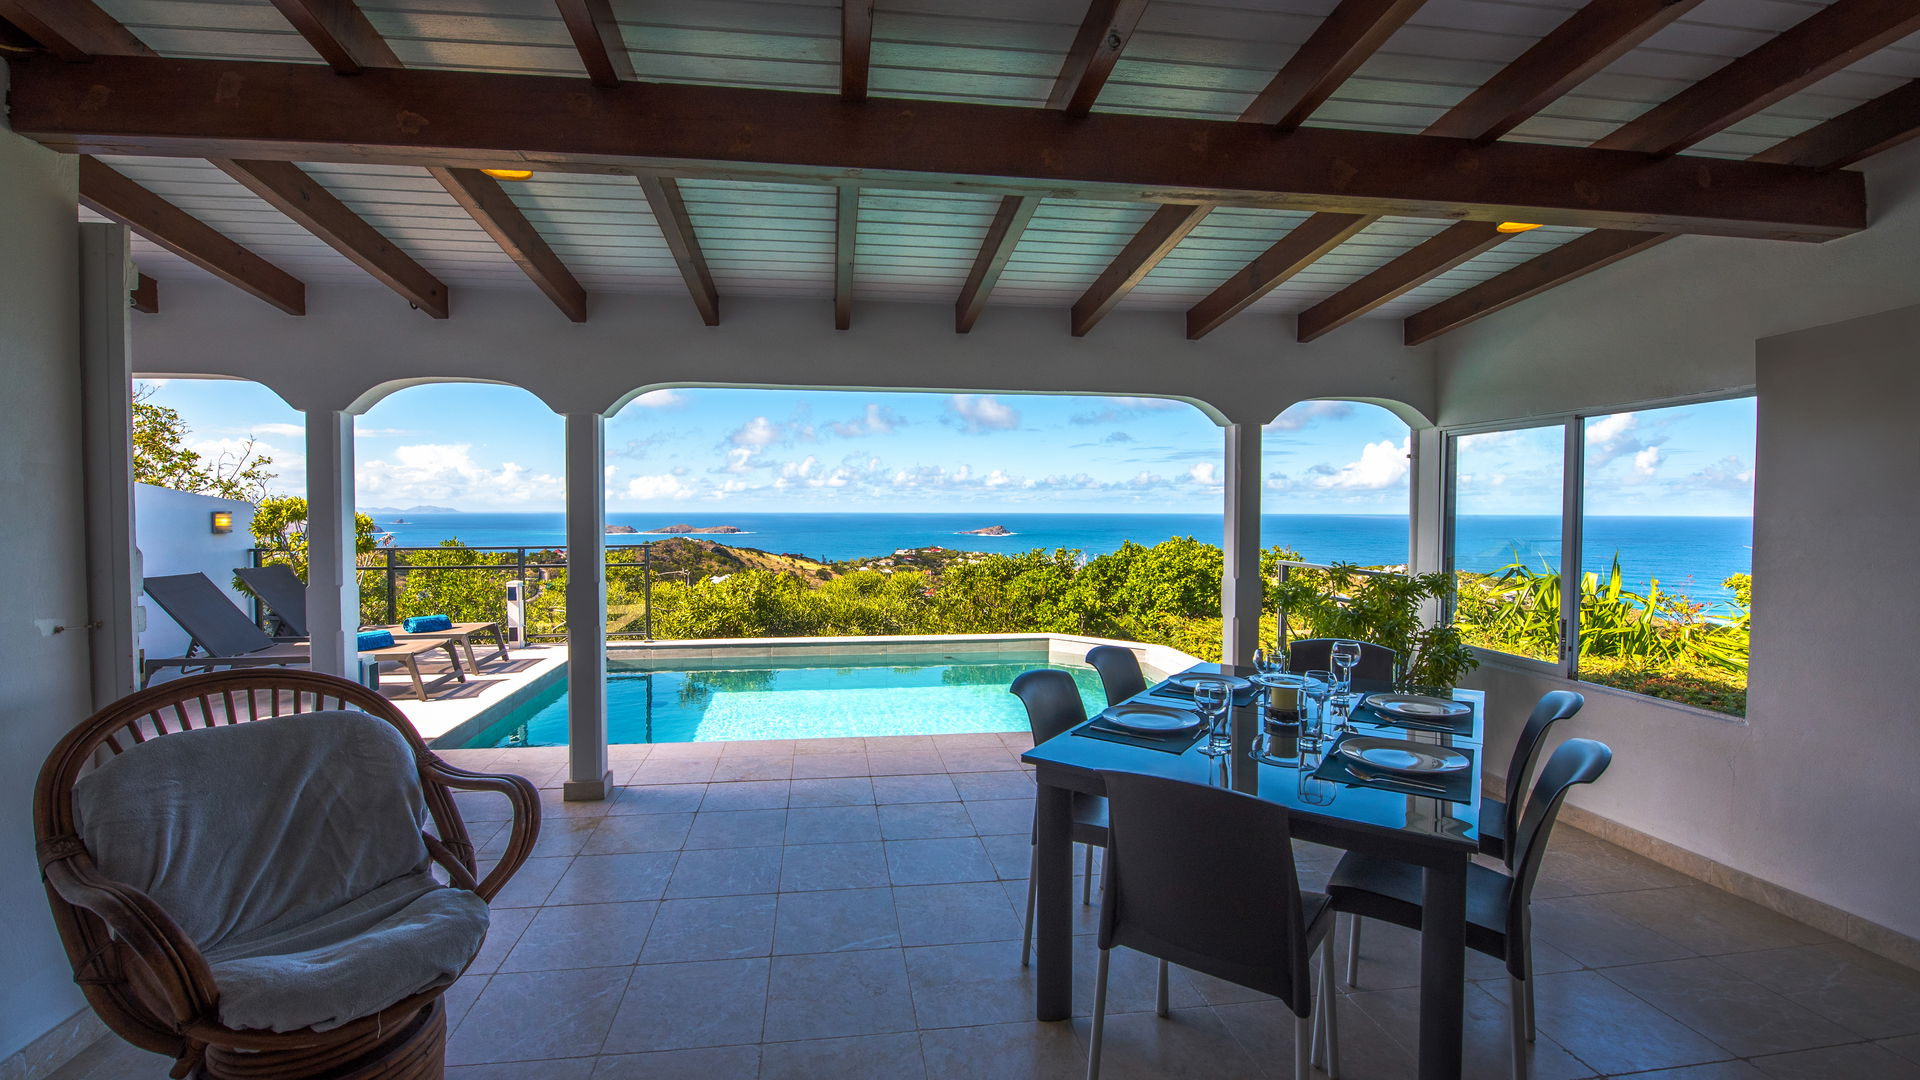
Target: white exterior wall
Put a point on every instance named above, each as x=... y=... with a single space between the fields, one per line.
x=174 y=530
x=45 y=685
x=1809 y=793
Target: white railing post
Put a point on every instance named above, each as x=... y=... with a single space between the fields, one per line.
x=1241 y=589
x=516 y=614
x=333 y=589
x=588 y=777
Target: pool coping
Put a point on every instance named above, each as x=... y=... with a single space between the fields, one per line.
x=1071 y=648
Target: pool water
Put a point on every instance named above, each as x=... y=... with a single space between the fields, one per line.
x=786 y=698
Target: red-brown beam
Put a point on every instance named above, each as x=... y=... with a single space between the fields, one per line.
x=1854 y=135
x=145 y=296
x=1003 y=235
x=1585 y=42
x=340 y=32
x=856 y=47
x=676 y=225
x=1340 y=44
x=1819 y=45
x=112 y=195
x=482 y=197
x=596 y=35
x=1433 y=257
x=301 y=112
x=292 y=192
x=1103 y=36
x=1160 y=235
x=846 y=236
x=73 y=30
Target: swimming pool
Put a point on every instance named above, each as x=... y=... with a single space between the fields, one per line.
x=814 y=697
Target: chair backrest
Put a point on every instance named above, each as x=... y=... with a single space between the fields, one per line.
x=1375 y=670
x=1053 y=702
x=280 y=589
x=1576 y=761
x=1552 y=708
x=1119 y=672
x=206 y=614
x=1204 y=877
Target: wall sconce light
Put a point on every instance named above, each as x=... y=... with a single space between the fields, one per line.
x=509 y=174
x=1511 y=227
x=222 y=521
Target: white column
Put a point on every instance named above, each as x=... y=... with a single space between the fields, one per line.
x=587 y=775
x=1427 y=527
x=1241 y=589
x=106 y=377
x=333 y=590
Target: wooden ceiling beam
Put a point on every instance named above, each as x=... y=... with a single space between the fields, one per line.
x=846 y=237
x=1591 y=38
x=1161 y=234
x=451 y=119
x=341 y=33
x=299 y=196
x=676 y=225
x=73 y=30
x=482 y=197
x=1103 y=36
x=1819 y=45
x=145 y=296
x=1431 y=258
x=856 y=48
x=596 y=35
x=1886 y=121
x=113 y=195
x=1003 y=235
x=1341 y=43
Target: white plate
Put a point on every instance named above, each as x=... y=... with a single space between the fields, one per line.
x=1150 y=719
x=1187 y=680
x=1418 y=707
x=1401 y=756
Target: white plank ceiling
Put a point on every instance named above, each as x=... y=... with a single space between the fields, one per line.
x=1186 y=59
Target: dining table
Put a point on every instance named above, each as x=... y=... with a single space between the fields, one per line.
x=1438 y=834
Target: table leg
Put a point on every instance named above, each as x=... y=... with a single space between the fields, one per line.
x=1443 y=965
x=1053 y=868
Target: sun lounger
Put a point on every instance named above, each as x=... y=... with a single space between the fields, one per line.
x=282 y=590
x=223 y=636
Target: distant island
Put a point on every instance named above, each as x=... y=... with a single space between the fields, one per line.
x=682 y=529
x=408 y=510
x=991 y=530
x=621 y=529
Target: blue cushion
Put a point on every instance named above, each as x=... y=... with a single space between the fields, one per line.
x=376 y=639
x=427 y=624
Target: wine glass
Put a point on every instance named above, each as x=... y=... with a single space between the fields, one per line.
x=1346 y=656
x=1211 y=699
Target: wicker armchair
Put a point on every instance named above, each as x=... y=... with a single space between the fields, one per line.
x=150 y=982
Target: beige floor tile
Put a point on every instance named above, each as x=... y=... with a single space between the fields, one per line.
x=1367 y=1052
x=711 y=928
x=561 y=1069
x=992 y=817
x=667 y=770
x=504 y=926
x=678 y=1006
x=1728 y=1007
x=746 y=795
x=836 y=995
x=1860 y=1061
x=939 y=861
x=818 y=766
x=743 y=767
x=830 y=791
x=1861 y=992
x=532 y=883
x=1584 y=928
x=737 y=829
x=1613 y=1031
x=621 y=834
x=931 y=787
x=605 y=879
x=1488 y=1034
x=971 y=984
x=810 y=867
x=1907 y=1047
x=904 y=763
x=705 y=1063
x=1189 y=1043
x=1012 y=1051
x=957 y=912
x=993 y=785
x=835 y=921
x=865 y=1057
x=920 y=821
x=658 y=799
x=1709 y=921
x=582 y=935
x=725 y=872
x=535 y=1015
x=832 y=824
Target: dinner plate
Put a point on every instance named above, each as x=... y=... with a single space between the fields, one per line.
x=1150 y=719
x=1401 y=756
x=1187 y=680
x=1418 y=707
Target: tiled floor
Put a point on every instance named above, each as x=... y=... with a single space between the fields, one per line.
x=852 y=909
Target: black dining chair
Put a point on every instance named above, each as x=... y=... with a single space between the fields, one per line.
x=1375 y=671
x=1204 y=877
x=1498 y=817
x=1053 y=706
x=1498 y=920
x=1119 y=672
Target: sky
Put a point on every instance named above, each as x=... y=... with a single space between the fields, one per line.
x=479 y=447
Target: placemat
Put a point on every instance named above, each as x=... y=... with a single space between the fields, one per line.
x=1174 y=690
x=1364 y=714
x=1454 y=787
x=1176 y=743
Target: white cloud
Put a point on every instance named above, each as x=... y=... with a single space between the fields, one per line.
x=657 y=487
x=287 y=431
x=1381 y=465
x=661 y=399
x=1303 y=414
x=378 y=432
x=757 y=432
x=447 y=474
x=1647 y=461
x=1616 y=436
x=1203 y=474
x=1123 y=408
x=981 y=413
x=877 y=420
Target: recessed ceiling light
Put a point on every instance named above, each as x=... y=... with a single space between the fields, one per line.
x=527 y=174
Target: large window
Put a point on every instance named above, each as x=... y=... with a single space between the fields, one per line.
x=1657 y=599
x=1507 y=501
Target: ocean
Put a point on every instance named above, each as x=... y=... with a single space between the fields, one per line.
x=1691 y=555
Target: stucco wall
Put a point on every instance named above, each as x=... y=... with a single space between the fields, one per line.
x=174 y=530
x=44 y=682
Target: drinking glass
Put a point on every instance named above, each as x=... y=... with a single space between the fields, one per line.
x=1211 y=699
x=1313 y=790
x=1346 y=656
x=1313 y=720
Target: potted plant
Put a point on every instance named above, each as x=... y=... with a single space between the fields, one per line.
x=1384 y=608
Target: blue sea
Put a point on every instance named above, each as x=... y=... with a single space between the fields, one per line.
x=1690 y=555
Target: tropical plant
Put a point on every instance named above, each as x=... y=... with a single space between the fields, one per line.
x=1384 y=608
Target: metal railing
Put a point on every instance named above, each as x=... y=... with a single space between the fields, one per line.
x=1287 y=567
